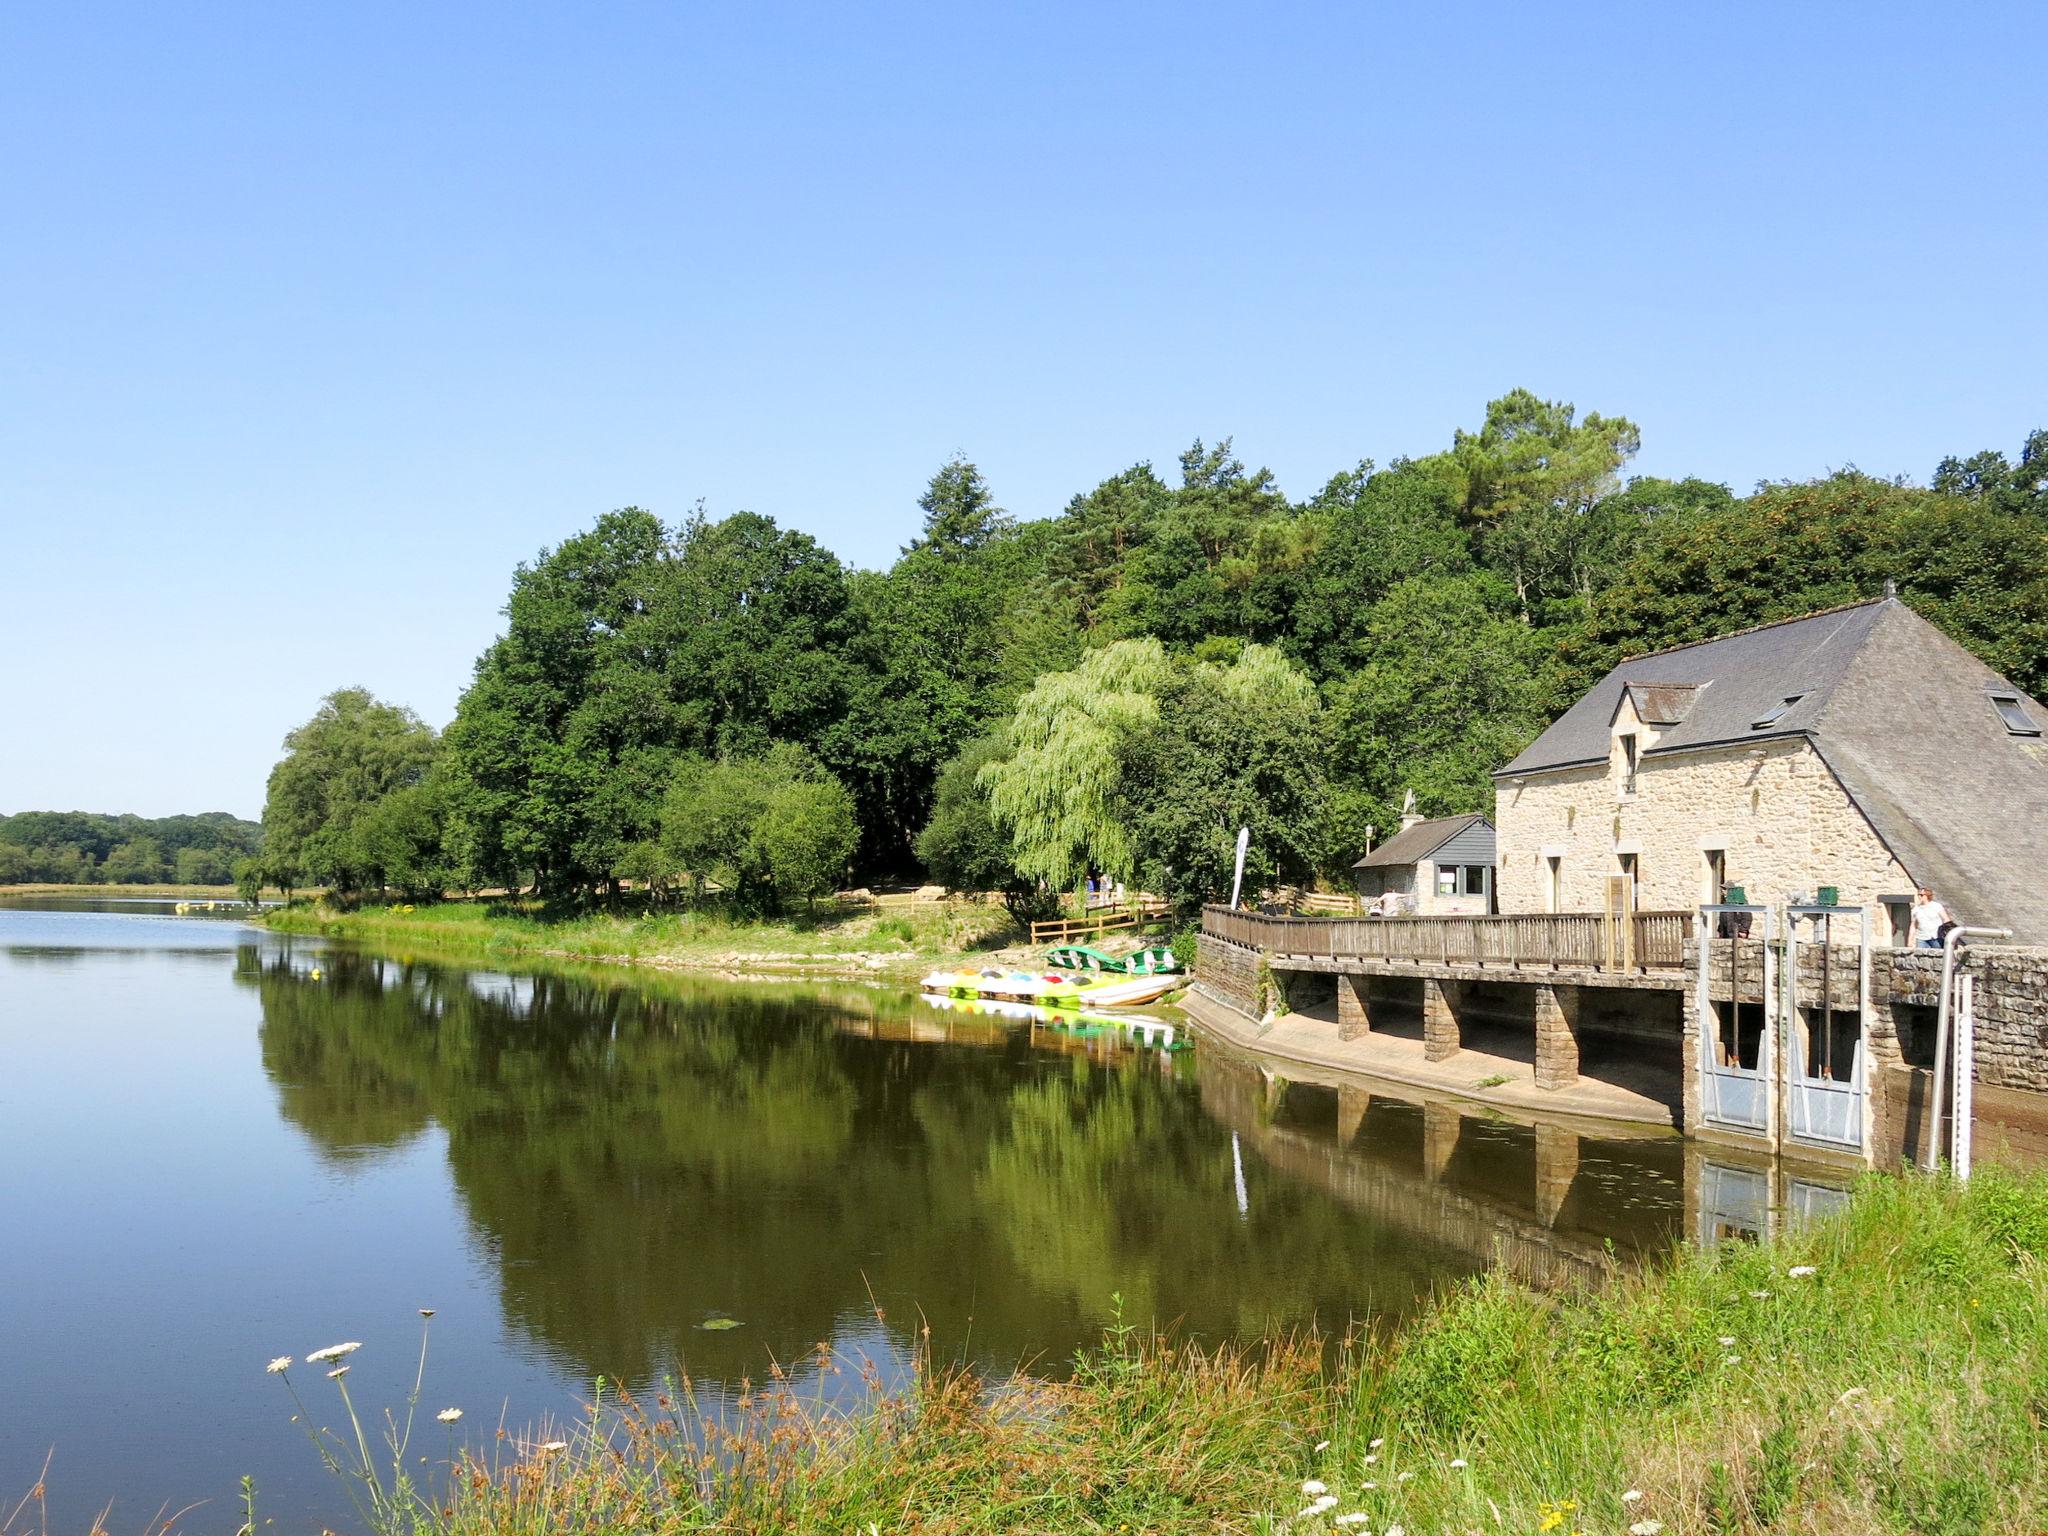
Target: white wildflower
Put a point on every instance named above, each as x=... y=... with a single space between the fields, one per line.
x=1801 y=1271
x=1759 y=1295
x=449 y=1415
x=1315 y=1486
x=1727 y=1341
x=1458 y=1461
x=331 y=1352
x=1633 y=1496
x=1356 y=1517
x=1731 y=1359
x=1321 y=1446
x=1395 y=1530
x=554 y=1445
x=1404 y=1477
x=1368 y=1485
x=281 y=1363
x=1371 y=1459
x=1327 y=1502
x=337 y=1373
x=1377 y=1443
x=1646 y=1528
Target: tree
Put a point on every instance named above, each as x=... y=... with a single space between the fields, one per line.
x=805 y=836
x=562 y=744
x=140 y=862
x=336 y=768
x=203 y=866
x=767 y=829
x=1455 y=687
x=962 y=846
x=1056 y=792
x=960 y=512
x=400 y=841
x=1232 y=746
x=249 y=879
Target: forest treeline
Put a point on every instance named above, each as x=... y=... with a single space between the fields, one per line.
x=1014 y=704
x=84 y=848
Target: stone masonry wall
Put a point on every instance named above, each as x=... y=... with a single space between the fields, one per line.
x=1785 y=822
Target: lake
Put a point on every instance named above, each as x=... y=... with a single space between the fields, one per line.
x=222 y=1145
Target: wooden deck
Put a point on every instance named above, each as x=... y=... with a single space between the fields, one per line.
x=1642 y=944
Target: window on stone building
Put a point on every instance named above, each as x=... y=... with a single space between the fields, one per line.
x=1628 y=763
x=1716 y=876
x=1553 y=882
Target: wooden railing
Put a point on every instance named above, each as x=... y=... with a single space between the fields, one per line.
x=1532 y=941
x=1100 y=920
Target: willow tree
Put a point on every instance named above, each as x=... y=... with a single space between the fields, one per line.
x=1057 y=793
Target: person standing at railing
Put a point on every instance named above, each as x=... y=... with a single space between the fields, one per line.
x=1930 y=921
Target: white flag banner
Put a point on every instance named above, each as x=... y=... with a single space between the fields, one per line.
x=1244 y=837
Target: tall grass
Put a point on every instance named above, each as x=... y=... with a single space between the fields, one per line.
x=1884 y=1371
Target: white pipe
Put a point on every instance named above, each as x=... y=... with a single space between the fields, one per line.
x=1966 y=1050
x=1941 y=1028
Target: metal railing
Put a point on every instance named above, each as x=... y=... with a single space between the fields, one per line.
x=1585 y=941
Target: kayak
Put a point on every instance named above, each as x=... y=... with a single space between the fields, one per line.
x=1052 y=989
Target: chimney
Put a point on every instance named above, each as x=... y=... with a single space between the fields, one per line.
x=1410 y=817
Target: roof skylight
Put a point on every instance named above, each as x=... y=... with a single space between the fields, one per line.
x=2017 y=721
x=1771 y=715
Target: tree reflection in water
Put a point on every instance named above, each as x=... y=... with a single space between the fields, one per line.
x=639 y=1158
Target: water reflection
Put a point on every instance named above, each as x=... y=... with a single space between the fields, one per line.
x=641 y=1158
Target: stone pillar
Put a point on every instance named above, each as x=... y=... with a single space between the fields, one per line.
x=1557 y=1036
x=1557 y=1164
x=1439 y=1020
x=1354 y=1014
x=1352 y=1103
x=1440 y=1124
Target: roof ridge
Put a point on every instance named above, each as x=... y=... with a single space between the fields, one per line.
x=1797 y=618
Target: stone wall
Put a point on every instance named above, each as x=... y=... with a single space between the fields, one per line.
x=1230 y=972
x=1784 y=822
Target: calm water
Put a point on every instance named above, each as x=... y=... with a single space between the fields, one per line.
x=209 y=1156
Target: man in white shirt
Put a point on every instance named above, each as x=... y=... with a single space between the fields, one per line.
x=1927 y=920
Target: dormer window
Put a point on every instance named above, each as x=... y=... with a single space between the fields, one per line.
x=1771 y=716
x=2017 y=721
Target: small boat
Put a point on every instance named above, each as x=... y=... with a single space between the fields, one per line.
x=1156 y=961
x=1052 y=989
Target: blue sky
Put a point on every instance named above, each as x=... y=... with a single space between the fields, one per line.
x=318 y=319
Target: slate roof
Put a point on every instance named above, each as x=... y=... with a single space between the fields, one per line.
x=1899 y=713
x=1411 y=845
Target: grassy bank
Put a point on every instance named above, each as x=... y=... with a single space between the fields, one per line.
x=895 y=941
x=1885 y=1371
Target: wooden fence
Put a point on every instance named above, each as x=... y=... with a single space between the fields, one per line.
x=1584 y=941
x=1100 y=920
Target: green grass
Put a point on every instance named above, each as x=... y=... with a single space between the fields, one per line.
x=897 y=940
x=1899 y=1387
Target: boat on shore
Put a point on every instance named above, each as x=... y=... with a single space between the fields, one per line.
x=1052 y=989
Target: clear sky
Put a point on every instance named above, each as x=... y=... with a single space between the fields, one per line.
x=314 y=320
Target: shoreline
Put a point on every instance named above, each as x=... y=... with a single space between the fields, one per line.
x=668 y=942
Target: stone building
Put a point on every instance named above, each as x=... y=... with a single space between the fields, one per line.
x=1436 y=867
x=1858 y=749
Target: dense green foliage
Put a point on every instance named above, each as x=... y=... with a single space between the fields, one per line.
x=81 y=848
x=1435 y=614
x=348 y=805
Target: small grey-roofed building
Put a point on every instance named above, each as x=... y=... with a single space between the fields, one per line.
x=1859 y=749
x=1436 y=867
